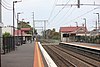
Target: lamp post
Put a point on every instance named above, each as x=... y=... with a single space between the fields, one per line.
x=98 y=20
x=13 y=17
x=45 y=29
x=85 y=28
x=97 y=24
x=33 y=28
x=18 y=21
x=14 y=23
x=18 y=18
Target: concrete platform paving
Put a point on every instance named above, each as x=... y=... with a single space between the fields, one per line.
x=21 y=57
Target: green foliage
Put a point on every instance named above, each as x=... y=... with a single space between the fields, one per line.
x=25 y=25
x=6 y=34
x=52 y=34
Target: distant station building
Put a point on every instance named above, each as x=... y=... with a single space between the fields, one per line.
x=68 y=33
x=23 y=33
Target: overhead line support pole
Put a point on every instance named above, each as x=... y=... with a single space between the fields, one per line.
x=85 y=28
x=0 y=28
x=99 y=21
x=44 y=26
x=33 y=27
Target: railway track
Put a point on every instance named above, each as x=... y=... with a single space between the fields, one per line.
x=59 y=60
x=71 y=57
x=90 y=53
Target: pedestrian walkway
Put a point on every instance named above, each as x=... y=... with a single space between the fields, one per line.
x=23 y=56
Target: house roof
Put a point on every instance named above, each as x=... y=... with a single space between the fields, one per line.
x=71 y=29
x=21 y=33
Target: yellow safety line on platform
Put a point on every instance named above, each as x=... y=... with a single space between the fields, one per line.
x=38 y=62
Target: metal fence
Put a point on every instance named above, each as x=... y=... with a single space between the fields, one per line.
x=8 y=44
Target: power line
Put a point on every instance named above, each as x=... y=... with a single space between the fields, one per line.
x=6 y=7
x=85 y=13
x=54 y=5
x=6 y=2
x=63 y=16
x=67 y=13
x=60 y=11
x=82 y=14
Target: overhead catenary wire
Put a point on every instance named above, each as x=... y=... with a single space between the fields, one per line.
x=65 y=15
x=69 y=14
x=85 y=13
x=59 y=11
x=54 y=5
x=62 y=17
x=80 y=15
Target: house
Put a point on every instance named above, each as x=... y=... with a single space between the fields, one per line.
x=18 y=33
x=95 y=32
x=68 y=33
x=22 y=33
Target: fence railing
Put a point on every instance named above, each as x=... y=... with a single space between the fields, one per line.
x=88 y=39
x=8 y=44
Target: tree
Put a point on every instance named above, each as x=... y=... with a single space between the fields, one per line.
x=23 y=24
x=6 y=34
x=52 y=34
x=53 y=30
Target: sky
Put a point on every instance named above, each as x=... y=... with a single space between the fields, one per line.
x=57 y=16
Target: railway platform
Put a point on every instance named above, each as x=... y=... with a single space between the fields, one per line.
x=21 y=57
x=87 y=45
x=52 y=55
x=27 y=55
